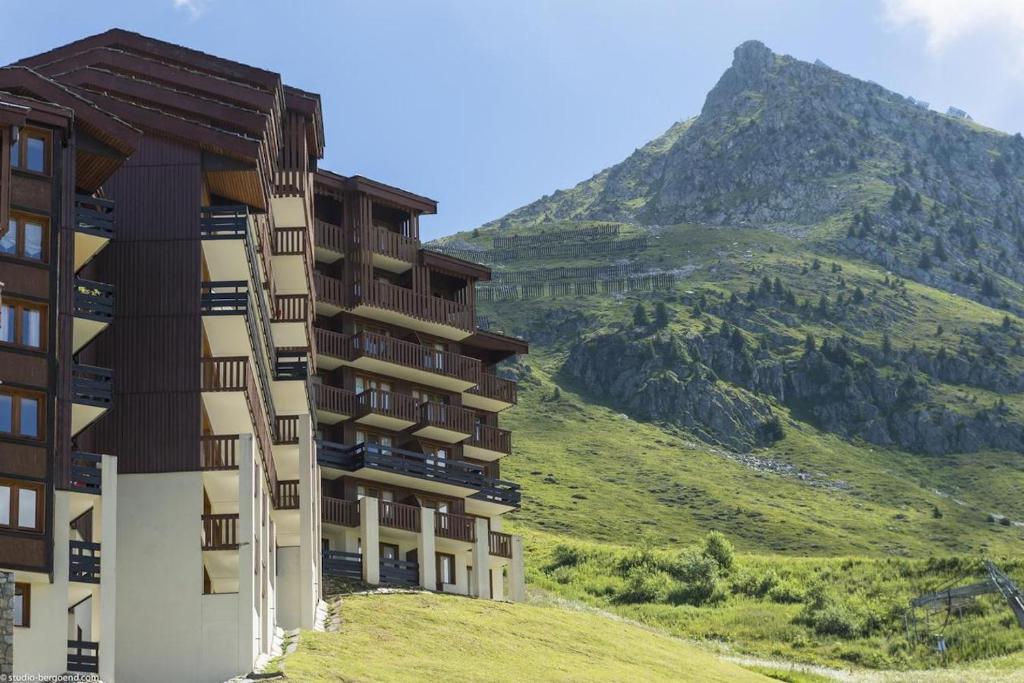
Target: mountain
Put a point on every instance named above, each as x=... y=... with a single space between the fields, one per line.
x=829 y=286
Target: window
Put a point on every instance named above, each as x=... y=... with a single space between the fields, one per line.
x=445 y=569
x=25 y=237
x=22 y=602
x=21 y=505
x=32 y=151
x=388 y=551
x=21 y=324
x=21 y=414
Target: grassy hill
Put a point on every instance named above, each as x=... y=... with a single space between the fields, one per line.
x=408 y=637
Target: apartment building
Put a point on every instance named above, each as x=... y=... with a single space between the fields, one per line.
x=225 y=373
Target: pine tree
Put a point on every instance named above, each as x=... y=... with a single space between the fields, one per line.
x=661 y=315
x=925 y=262
x=940 y=250
x=858 y=295
x=809 y=343
x=640 y=318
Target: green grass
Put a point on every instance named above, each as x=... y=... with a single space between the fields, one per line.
x=427 y=637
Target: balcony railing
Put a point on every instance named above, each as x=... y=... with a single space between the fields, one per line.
x=224 y=297
x=291 y=308
x=287 y=495
x=412 y=355
x=421 y=306
x=399 y=516
x=333 y=344
x=218 y=452
x=334 y=400
x=455 y=527
x=91 y=385
x=86 y=474
x=391 y=243
x=94 y=216
x=338 y=511
x=94 y=300
x=223 y=222
x=292 y=364
x=289 y=242
x=329 y=289
x=83 y=657
x=220 y=532
x=451 y=418
x=491 y=439
x=498 y=388
x=387 y=404
x=500 y=492
x=399 y=461
x=330 y=237
x=500 y=544
x=84 y=564
x=287 y=430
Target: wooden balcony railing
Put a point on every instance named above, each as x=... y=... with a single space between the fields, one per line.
x=218 y=452
x=386 y=403
x=220 y=532
x=91 y=385
x=399 y=516
x=291 y=308
x=455 y=527
x=83 y=657
x=403 y=462
x=413 y=355
x=94 y=300
x=94 y=216
x=329 y=289
x=332 y=344
x=330 y=237
x=287 y=430
x=501 y=492
x=287 y=495
x=86 y=474
x=421 y=306
x=334 y=400
x=289 y=242
x=491 y=438
x=339 y=511
x=500 y=544
x=84 y=562
x=498 y=388
x=452 y=418
x=391 y=243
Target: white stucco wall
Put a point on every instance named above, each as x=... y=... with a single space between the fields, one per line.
x=288 y=587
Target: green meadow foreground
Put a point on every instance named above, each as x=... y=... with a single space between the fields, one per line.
x=406 y=637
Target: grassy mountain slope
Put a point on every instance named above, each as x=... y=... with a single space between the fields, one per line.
x=429 y=637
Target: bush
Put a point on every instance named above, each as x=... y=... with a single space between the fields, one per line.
x=697 y=574
x=719 y=549
x=566 y=556
x=787 y=592
x=755 y=585
x=835 y=620
x=644 y=584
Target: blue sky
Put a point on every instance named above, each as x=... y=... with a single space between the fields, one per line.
x=486 y=105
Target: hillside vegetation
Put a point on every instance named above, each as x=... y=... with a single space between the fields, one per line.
x=406 y=637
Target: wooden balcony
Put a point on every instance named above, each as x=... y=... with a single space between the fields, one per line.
x=293 y=259
x=500 y=544
x=391 y=251
x=401 y=467
x=448 y=319
x=286 y=497
x=339 y=511
x=220 y=532
x=291 y=308
x=455 y=527
x=488 y=443
x=92 y=394
x=86 y=473
x=83 y=657
x=492 y=393
x=496 y=496
x=94 y=227
x=385 y=409
x=399 y=516
x=218 y=452
x=293 y=320
x=333 y=404
x=84 y=562
x=332 y=348
x=94 y=311
x=441 y=422
x=286 y=431
x=414 y=362
x=330 y=241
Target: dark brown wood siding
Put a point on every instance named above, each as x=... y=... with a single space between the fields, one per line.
x=154 y=262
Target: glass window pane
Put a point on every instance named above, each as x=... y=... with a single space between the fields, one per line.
x=5 y=505
x=7 y=324
x=29 y=417
x=30 y=320
x=27 y=508
x=35 y=154
x=8 y=243
x=6 y=413
x=34 y=241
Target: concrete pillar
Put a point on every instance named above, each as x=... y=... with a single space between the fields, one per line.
x=481 y=561
x=461 y=575
x=369 y=529
x=425 y=550
x=516 y=572
x=247 y=472
x=498 y=582
x=107 y=516
x=308 y=543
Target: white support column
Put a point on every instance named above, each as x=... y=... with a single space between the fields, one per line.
x=107 y=515
x=308 y=542
x=516 y=573
x=425 y=550
x=369 y=529
x=481 y=584
x=246 y=568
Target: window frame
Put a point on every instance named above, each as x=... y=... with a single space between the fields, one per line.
x=26 y=603
x=19 y=219
x=19 y=306
x=14 y=518
x=20 y=150
x=16 y=395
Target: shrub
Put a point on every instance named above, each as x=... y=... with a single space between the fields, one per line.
x=697 y=574
x=644 y=584
x=835 y=620
x=719 y=549
x=755 y=585
x=787 y=592
x=566 y=556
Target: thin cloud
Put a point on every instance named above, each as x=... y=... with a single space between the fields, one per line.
x=946 y=22
x=194 y=8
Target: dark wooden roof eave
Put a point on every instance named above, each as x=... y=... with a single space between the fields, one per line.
x=435 y=259
x=501 y=344
x=387 y=193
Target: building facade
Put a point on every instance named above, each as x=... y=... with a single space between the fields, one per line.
x=224 y=372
